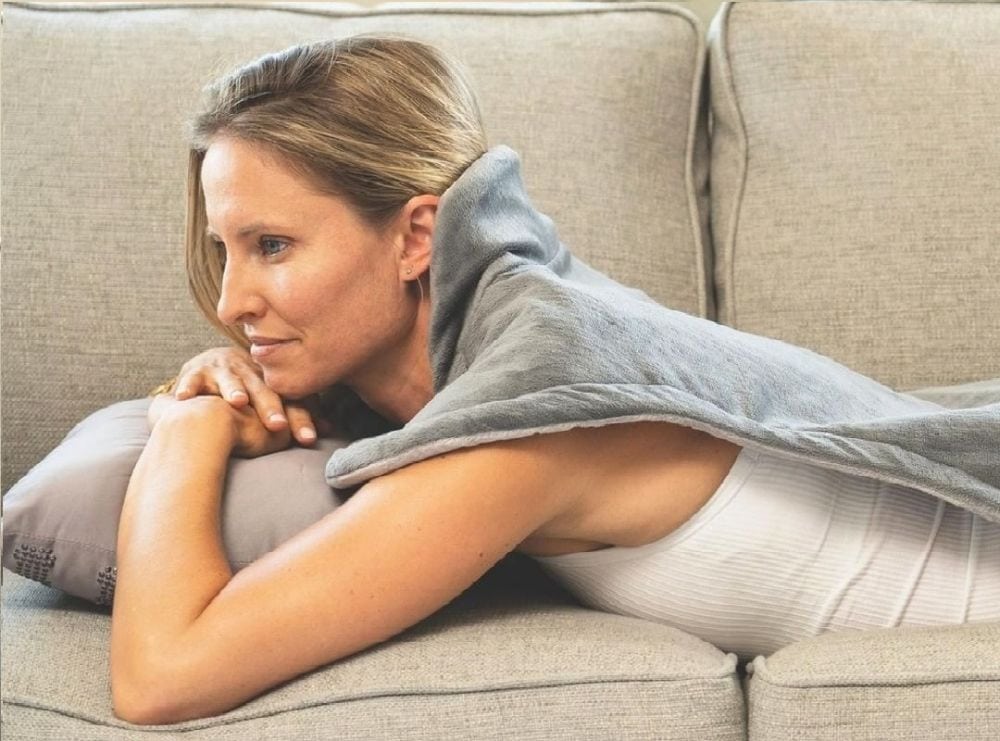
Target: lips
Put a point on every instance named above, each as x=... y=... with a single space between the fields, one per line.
x=265 y=340
x=266 y=347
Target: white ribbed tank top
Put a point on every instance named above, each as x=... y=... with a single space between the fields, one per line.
x=785 y=550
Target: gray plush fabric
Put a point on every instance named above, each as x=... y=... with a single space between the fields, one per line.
x=974 y=394
x=60 y=522
x=513 y=657
x=526 y=338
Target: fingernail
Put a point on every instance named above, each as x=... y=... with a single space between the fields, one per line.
x=308 y=433
x=276 y=417
x=237 y=395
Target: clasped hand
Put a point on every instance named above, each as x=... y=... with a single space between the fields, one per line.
x=223 y=384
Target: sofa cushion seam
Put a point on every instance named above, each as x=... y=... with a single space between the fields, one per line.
x=214 y=721
x=729 y=86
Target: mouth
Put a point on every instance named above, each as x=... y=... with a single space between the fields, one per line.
x=265 y=347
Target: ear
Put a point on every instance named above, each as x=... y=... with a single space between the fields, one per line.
x=416 y=233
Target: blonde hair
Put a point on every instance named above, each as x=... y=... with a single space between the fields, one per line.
x=374 y=119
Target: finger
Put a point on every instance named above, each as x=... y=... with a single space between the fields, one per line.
x=188 y=385
x=231 y=389
x=255 y=439
x=267 y=403
x=202 y=385
x=301 y=423
x=320 y=416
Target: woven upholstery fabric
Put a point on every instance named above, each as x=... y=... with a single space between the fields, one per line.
x=513 y=657
x=934 y=683
x=855 y=157
x=604 y=103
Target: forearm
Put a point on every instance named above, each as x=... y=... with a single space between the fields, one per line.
x=171 y=562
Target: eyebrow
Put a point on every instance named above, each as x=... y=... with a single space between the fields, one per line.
x=257 y=226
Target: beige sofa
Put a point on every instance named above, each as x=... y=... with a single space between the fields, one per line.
x=821 y=172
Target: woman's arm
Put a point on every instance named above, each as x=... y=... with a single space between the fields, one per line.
x=170 y=559
x=189 y=639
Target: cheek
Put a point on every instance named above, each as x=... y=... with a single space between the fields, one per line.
x=302 y=298
x=326 y=310
x=350 y=300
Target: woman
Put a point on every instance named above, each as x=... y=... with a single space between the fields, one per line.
x=322 y=181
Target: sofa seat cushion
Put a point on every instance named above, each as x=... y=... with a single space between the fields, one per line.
x=933 y=682
x=512 y=657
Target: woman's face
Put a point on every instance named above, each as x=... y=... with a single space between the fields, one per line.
x=320 y=295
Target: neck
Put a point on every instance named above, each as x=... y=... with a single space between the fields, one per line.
x=402 y=383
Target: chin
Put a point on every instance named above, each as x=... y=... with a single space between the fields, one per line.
x=288 y=388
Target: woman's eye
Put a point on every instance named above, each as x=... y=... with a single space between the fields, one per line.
x=272 y=247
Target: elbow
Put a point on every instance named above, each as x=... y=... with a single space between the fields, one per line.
x=161 y=695
x=138 y=714
x=142 y=698
x=138 y=708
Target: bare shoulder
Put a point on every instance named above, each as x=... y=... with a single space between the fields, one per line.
x=567 y=466
x=634 y=483
x=558 y=466
x=539 y=467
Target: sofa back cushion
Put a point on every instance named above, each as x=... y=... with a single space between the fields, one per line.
x=855 y=204
x=604 y=103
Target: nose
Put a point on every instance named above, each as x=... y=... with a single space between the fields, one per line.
x=239 y=300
